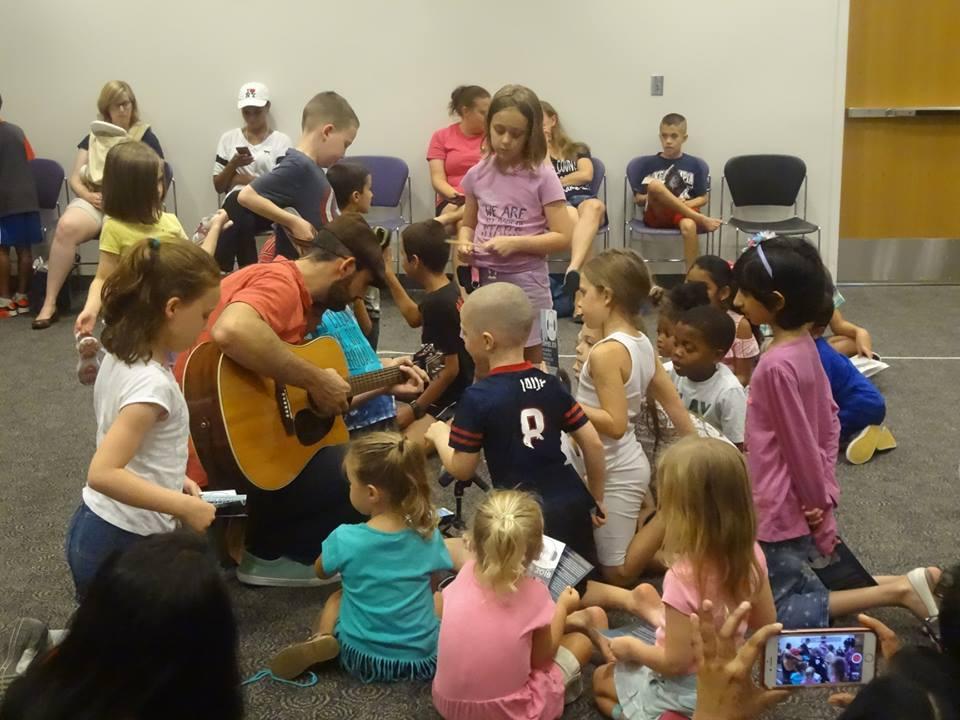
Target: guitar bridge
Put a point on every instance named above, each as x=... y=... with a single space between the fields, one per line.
x=283 y=406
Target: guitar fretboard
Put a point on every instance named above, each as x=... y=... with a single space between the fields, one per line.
x=375 y=380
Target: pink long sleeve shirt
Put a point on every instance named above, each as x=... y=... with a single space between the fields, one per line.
x=792 y=439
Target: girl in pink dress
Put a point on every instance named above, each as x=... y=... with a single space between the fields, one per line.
x=502 y=651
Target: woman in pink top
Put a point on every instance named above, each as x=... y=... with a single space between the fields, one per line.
x=716 y=273
x=502 y=652
x=516 y=211
x=457 y=148
x=792 y=438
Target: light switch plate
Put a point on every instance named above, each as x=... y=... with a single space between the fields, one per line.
x=656 y=84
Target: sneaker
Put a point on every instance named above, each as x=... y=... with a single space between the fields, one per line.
x=886 y=440
x=28 y=639
x=863 y=446
x=296 y=659
x=22 y=302
x=282 y=572
x=8 y=308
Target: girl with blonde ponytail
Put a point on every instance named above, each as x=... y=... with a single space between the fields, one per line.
x=503 y=653
x=381 y=623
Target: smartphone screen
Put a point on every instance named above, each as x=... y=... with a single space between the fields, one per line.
x=815 y=659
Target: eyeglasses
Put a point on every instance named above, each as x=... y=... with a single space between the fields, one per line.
x=123 y=105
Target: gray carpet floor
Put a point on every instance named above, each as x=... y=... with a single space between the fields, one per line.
x=896 y=513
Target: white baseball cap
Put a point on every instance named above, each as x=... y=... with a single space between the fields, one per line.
x=253 y=94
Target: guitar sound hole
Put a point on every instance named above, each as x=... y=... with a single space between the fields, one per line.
x=310 y=427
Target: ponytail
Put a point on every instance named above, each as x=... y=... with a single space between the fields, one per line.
x=135 y=296
x=398 y=466
x=507 y=535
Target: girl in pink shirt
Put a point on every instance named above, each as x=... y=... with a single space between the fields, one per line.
x=710 y=525
x=792 y=437
x=716 y=273
x=502 y=653
x=515 y=210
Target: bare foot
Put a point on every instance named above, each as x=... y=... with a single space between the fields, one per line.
x=710 y=224
x=591 y=618
x=911 y=600
x=645 y=603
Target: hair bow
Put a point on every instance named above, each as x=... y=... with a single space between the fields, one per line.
x=756 y=241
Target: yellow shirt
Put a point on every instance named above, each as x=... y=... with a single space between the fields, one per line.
x=117 y=235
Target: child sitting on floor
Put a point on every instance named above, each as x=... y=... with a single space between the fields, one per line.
x=503 y=653
x=516 y=416
x=717 y=275
x=708 y=388
x=862 y=408
x=712 y=551
x=381 y=623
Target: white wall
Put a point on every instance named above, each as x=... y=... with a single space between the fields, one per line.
x=751 y=76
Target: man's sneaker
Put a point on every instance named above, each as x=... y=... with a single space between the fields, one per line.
x=282 y=572
x=22 y=302
x=296 y=659
x=28 y=639
x=863 y=446
x=8 y=308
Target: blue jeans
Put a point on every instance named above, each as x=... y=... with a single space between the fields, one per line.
x=90 y=541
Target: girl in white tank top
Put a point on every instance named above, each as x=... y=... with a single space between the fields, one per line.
x=620 y=373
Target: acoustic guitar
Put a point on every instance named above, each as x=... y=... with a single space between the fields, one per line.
x=250 y=429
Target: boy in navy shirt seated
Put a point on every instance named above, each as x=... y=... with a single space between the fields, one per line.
x=426 y=253
x=862 y=408
x=673 y=187
x=516 y=415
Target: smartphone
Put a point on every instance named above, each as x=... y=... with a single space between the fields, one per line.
x=831 y=657
x=243 y=150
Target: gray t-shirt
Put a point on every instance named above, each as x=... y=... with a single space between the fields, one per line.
x=298 y=182
x=18 y=193
x=721 y=400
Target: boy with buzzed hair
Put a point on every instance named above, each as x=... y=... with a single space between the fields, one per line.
x=673 y=187
x=296 y=195
x=516 y=415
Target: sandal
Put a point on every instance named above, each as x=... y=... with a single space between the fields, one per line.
x=919 y=579
x=44 y=323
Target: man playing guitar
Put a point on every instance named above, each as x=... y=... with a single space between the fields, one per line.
x=261 y=308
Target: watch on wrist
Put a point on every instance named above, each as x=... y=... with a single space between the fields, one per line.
x=418 y=412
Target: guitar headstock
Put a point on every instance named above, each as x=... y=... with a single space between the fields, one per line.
x=428 y=359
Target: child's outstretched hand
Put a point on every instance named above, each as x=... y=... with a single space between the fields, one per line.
x=438 y=433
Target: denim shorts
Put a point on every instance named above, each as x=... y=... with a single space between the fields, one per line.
x=90 y=541
x=802 y=600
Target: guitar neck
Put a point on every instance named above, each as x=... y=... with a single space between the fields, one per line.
x=365 y=382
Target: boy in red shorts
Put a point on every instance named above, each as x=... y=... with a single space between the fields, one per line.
x=674 y=188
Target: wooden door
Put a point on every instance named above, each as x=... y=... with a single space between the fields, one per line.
x=901 y=175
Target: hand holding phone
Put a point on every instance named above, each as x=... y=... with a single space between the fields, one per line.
x=811 y=658
x=243 y=157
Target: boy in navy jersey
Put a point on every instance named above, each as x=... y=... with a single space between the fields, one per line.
x=516 y=415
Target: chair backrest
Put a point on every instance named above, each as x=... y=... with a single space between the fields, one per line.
x=389 y=175
x=48 y=177
x=599 y=172
x=167 y=177
x=764 y=179
x=636 y=174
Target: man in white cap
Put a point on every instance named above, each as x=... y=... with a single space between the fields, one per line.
x=243 y=154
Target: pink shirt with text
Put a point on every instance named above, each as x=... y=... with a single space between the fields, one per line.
x=510 y=203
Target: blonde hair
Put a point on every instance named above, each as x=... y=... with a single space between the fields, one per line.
x=506 y=536
x=398 y=467
x=501 y=309
x=567 y=148
x=624 y=273
x=110 y=94
x=526 y=102
x=706 y=505
x=328 y=108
